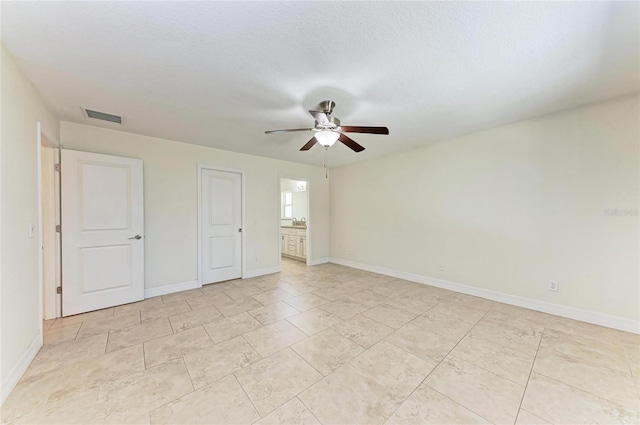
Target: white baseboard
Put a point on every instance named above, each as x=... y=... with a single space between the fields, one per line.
x=594 y=317
x=18 y=370
x=316 y=261
x=170 y=289
x=260 y=272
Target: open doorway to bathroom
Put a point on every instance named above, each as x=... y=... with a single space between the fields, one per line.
x=294 y=219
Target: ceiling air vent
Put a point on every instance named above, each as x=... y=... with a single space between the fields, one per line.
x=103 y=116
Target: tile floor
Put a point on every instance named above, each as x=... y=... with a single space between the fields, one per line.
x=331 y=345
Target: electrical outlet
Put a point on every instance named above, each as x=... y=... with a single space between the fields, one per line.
x=32 y=230
x=553 y=285
x=349 y=253
x=441 y=267
x=255 y=260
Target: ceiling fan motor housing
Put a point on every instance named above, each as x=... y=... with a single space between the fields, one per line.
x=326 y=106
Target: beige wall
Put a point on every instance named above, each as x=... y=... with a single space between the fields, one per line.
x=22 y=109
x=171 y=199
x=507 y=209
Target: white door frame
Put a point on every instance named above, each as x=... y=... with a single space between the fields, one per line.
x=199 y=168
x=280 y=177
x=49 y=291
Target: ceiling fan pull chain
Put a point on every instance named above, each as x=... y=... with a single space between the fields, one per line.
x=326 y=170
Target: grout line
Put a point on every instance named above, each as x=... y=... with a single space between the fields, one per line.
x=529 y=377
x=432 y=370
x=188 y=374
x=245 y=393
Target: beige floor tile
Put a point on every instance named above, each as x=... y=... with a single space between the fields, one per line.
x=299 y=279
x=223 y=402
x=495 y=358
x=216 y=288
x=327 y=351
x=278 y=378
x=191 y=319
x=46 y=324
x=169 y=347
x=559 y=403
x=229 y=327
x=133 y=395
x=84 y=317
x=271 y=284
x=212 y=363
x=443 y=324
x=429 y=346
x=457 y=311
x=516 y=317
x=526 y=418
x=297 y=289
x=292 y=412
x=491 y=396
x=348 y=397
x=63 y=334
x=583 y=330
x=164 y=310
x=610 y=384
x=427 y=406
x=517 y=339
x=344 y=308
x=182 y=295
x=471 y=301
x=272 y=338
x=362 y=330
x=272 y=297
x=395 y=369
x=273 y=312
x=242 y=292
x=333 y=293
x=586 y=372
x=389 y=315
x=368 y=298
x=33 y=392
x=233 y=307
x=74 y=407
x=137 y=306
x=138 y=334
x=108 y=324
x=306 y=302
x=586 y=348
x=56 y=356
x=313 y=321
x=207 y=300
x=414 y=304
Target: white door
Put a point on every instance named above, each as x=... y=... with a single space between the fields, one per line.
x=221 y=225
x=102 y=229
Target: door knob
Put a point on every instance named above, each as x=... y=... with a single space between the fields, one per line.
x=136 y=237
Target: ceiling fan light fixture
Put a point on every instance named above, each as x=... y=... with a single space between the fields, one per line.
x=327 y=138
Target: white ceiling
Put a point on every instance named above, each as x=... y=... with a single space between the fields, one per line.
x=220 y=73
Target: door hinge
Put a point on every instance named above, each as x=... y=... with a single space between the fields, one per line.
x=59 y=290
x=57 y=167
x=58 y=228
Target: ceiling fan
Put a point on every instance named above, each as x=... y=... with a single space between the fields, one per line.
x=328 y=129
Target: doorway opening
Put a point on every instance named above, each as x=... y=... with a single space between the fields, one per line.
x=294 y=219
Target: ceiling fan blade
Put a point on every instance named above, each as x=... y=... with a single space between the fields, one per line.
x=288 y=130
x=350 y=143
x=320 y=116
x=309 y=144
x=371 y=130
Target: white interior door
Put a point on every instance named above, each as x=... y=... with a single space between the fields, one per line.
x=102 y=229
x=221 y=225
